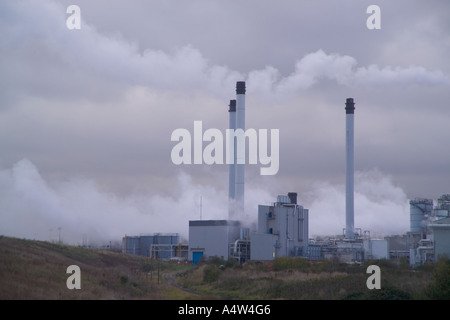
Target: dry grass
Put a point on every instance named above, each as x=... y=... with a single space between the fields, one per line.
x=321 y=280
x=37 y=270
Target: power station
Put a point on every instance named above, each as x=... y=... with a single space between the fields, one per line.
x=282 y=228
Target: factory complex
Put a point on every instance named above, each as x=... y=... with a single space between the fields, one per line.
x=282 y=228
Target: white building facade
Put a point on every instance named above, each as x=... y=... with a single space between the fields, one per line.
x=282 y=230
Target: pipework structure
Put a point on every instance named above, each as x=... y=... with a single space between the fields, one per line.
x=157 y=246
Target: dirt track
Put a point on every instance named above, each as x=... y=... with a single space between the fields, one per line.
x=171 y=280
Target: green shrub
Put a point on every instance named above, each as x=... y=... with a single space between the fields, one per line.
x=232 y=263
x=439 y=289
x=389 y=293
x=257 y=266
x=123 y=279
x=211 y=273
x=332 y=265
x=384 y=264
x=289 y=263
x=386 y=293
x=147 y=267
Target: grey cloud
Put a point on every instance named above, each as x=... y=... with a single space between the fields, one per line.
x=100 y=103
x=114 y=59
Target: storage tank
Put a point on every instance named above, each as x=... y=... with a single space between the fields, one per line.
x=420 y=209
x=131 y=245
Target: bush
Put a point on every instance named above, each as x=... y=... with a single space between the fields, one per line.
x=232 y=263
x=289 y=263
x=384 y=264
x=257 y=266
x=211 y=274
x=387 y=293
x=439 y=289
x=332 y=265
x=147 y=267
x=215 y=261
x=123 y=279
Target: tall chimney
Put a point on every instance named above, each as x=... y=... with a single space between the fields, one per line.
x=349 y=178
x=232 y=165
x=240 y=148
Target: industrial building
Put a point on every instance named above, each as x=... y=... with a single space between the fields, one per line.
x=354 y=246
x=218 y=238
x=359 y=249
x=282 y=228
x=282 y=231
x=227 y=238
x=158 y=246
x=441 y=235
x=429 y=235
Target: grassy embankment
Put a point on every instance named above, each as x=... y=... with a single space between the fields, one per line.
x=295 y=278
x=37 y=270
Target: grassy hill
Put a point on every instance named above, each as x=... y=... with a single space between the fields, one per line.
x=37 y=270
x=299 y=279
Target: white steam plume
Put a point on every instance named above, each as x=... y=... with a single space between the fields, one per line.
x=30 y=207
x=381 y=207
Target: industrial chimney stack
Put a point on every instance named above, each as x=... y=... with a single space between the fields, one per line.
x=240 y=148
x=232 y=165
x=349 y=179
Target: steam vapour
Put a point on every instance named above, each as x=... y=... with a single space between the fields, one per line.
x=380 y=207
x=32 y=208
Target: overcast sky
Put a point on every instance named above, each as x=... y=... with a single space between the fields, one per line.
x=86 y=116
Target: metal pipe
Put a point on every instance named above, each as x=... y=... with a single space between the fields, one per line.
x=287 y=232
x=349 y=180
